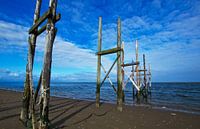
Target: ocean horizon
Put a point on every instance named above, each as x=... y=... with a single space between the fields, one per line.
x=175 y=96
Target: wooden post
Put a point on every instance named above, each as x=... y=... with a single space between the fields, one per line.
x=133 y=92
x=28 y=91
x=145 y=80
x=137 y=66
x=122 y=70
x=149 y=85
x=119 y=73
x=46 y=74
x=99 y=63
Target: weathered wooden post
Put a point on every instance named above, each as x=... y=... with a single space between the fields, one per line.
x=28 y=91
x=99 y=63
x=145 y=79
x=149 y=85
x=46 y=74
x=133 y=71
x=122 y=70
x=137 y=66
x=119 y=73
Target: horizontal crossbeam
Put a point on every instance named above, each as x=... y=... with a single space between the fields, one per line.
x=39 y=21
x=141 y=70
x=130 y=64
x=146 y=74
x=43 y=28
x=109 y=51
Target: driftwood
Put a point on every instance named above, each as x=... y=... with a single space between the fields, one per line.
x=119 y=73
x=27 y=86
x=46 y=74
x=29 y=97
x=99 y=63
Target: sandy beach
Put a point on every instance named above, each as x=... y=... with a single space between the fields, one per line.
x=78 y=114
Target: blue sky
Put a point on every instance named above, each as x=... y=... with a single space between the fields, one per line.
x=168 y=32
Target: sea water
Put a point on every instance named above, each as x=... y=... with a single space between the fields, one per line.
x=184 y=97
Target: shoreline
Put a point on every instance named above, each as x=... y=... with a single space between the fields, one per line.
x=153 y=106
x=73 y=113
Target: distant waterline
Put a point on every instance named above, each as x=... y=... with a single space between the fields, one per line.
x=183 y=97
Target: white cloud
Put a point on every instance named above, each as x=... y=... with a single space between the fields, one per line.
x=66 y=55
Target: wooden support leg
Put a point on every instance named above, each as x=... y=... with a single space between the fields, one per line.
x=145 y=80
x=46 y=72
x=119 y=72
x=99 y=64
x=26 y=95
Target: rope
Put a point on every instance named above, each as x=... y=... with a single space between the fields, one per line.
x=43 y=92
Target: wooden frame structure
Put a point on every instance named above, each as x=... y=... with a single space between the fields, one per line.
x=100 y=53
x=29 y=96
x=144 y=83
x=138 y=84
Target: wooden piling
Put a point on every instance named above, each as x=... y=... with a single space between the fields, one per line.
x=28 y=90
x=122 y=70
x=145 y=80
x=46 y=74
x=137 y=66
x=144 y=65
x=99 y=63
x=119 y=73
x=133 y=91
x=149 y=76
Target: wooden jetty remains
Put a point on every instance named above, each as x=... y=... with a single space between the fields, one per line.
x=100 y=53
x=27 y=114
x=138 y=83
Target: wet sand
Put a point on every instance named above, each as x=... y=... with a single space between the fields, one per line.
x=78 y=114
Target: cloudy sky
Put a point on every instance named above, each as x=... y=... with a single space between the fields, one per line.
x=168 y=32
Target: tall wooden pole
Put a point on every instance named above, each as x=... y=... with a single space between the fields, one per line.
x=119 y=73
x=133 y=71
x=145 y=80
x=149 y=76
x=28 y=88
x=99 y=63
x=137 y=66
x=122 y=59
x=46 y=74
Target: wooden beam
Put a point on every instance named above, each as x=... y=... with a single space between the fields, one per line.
x=44 y=122
x=130 y=64
x=109 y=51
x=39 y=21
x=132 y=76
x=137 y=66
x=43 y=28
x=119 y=73
x=122 y=71
x=144 y=66
x=141 y=70
x=146 y=74
x=27 y=101
x=99 y=63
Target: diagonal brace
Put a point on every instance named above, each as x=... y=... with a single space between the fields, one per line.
x=109 y=79
x=131 y=80
x=109 y=70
